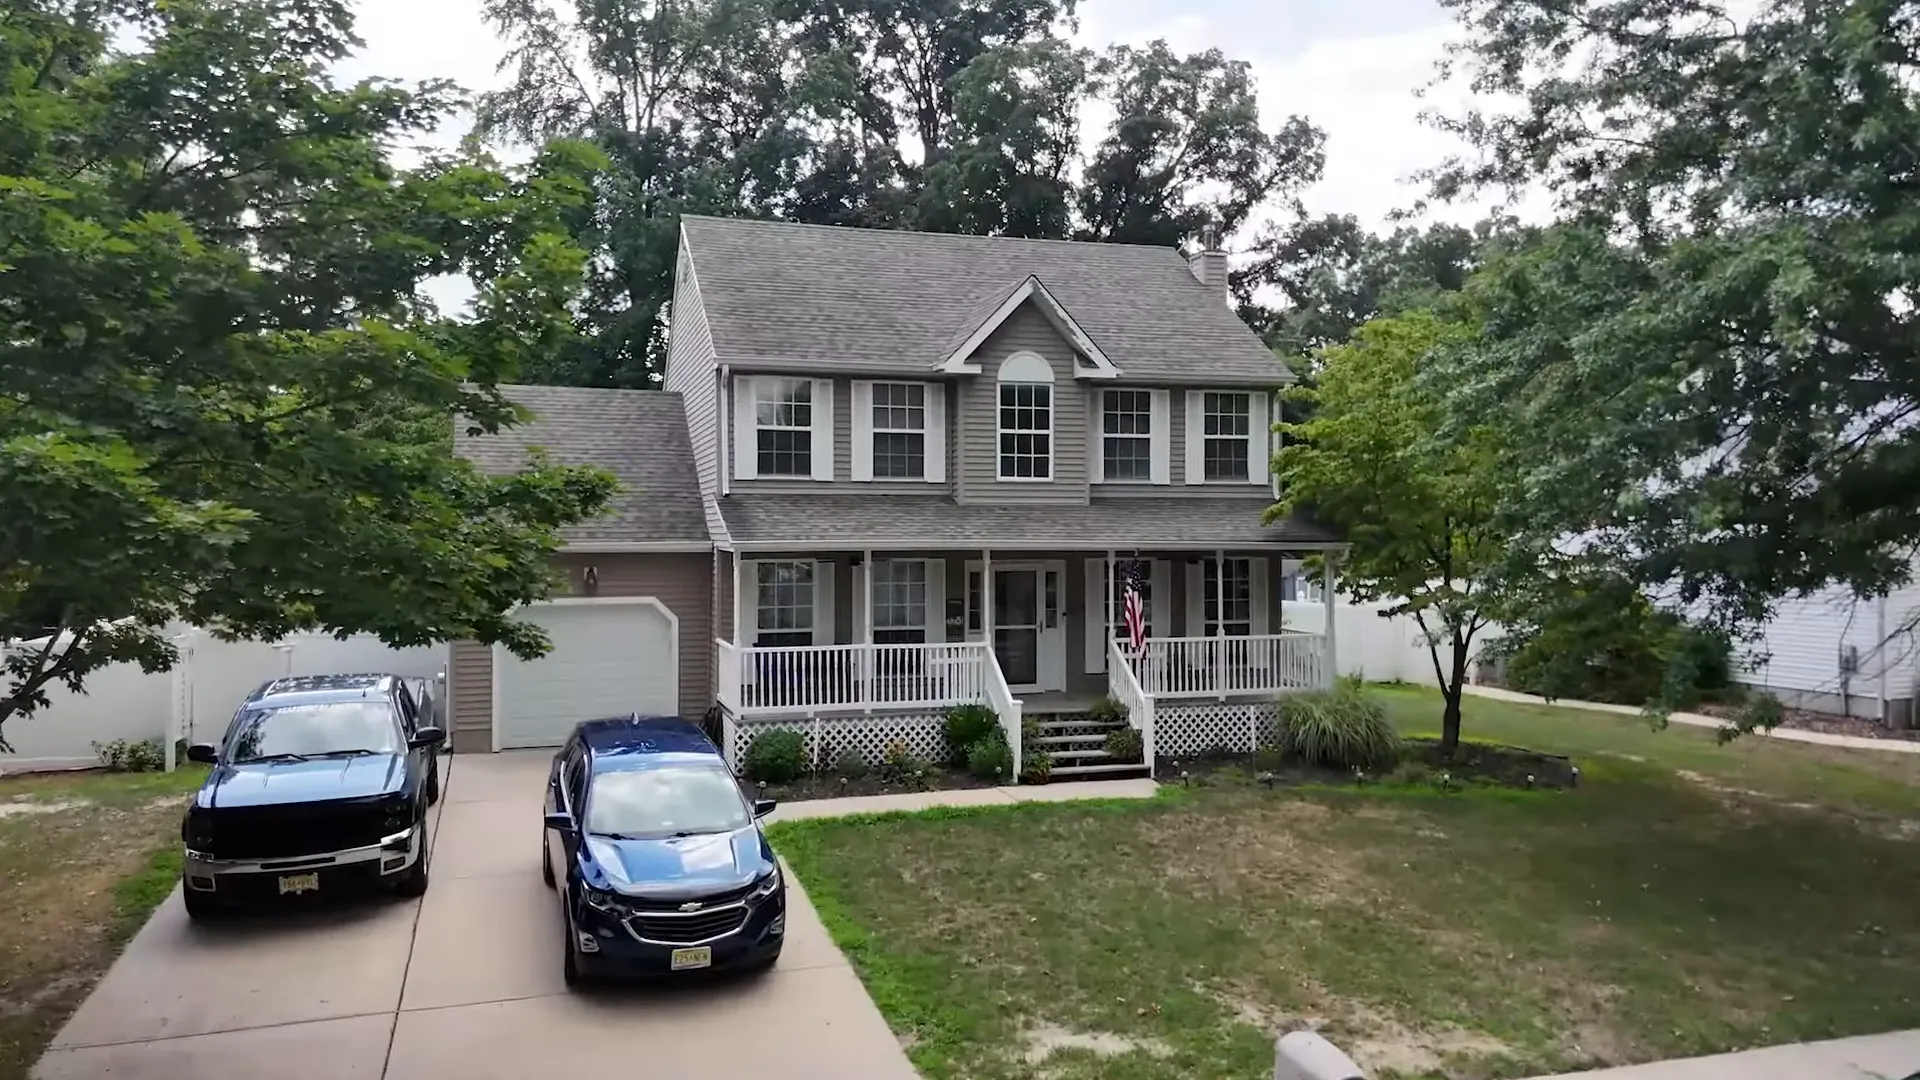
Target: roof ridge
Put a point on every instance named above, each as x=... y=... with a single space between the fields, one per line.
x=589 y=389
x=963 y=237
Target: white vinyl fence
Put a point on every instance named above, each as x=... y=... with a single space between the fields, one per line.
x=1372 y=647
x=197 y=698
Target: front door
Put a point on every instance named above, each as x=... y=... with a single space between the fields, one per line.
x=1029 y=630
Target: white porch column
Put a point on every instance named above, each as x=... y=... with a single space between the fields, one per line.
x=1219 y=620
x=986 y=597
x=1106 y=605
x=740 y=636
x=866 y=634
x=1326 y=598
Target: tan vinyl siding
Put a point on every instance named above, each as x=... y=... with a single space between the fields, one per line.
x=843 y=482
x=683 y=582
x=690 y=371
x=977 y=476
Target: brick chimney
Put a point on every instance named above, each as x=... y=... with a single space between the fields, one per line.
x=1209 y=264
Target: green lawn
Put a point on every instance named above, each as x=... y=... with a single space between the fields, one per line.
x=1687 y=898
x=84 y=857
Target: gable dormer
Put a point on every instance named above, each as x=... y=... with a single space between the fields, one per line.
x=1089 y=362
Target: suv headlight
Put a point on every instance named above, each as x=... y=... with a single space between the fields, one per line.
x=768 y=885
x=601 y=901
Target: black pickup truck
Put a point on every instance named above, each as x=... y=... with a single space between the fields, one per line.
x=321 y=785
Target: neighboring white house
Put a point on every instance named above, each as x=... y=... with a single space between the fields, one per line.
x=1837 y=652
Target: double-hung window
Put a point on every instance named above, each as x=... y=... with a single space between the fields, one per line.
x=783 y=603
x=1126 y=435
x=1227 y=420
x=1227 y=597
x=899 y=431
x=783 y=427
x=900 y=601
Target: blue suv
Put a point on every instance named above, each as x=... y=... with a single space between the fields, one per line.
x=658 y=858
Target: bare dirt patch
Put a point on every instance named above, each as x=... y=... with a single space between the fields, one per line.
x=1046 y=1040
x=20 y=807
x=1398 y=1048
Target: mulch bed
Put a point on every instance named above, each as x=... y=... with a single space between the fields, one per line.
x=1826 y=723
x=831 y=786
x=1474 y=764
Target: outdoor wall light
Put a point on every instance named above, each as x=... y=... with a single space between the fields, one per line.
x=590 y=579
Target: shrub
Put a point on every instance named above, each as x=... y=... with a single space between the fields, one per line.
x=1036 y=767
x=1410 y=774
x=900 y=765
x=776 y=757
x=989 y=758
x=1268 y=757
x=1604 y=641
x=966 y=725
x=132 y=755
x=852 y=764
x=1123 y=744
x=1108 y=710
x=1342 y=728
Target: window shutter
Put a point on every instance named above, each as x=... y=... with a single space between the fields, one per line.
x=746 y=443
x=1161 y=443
x=862 y=449
x=936 y=601
x=936 y=434
x=862 y=604
x=1262 y=592
x=1097 y=443
x=1160 y=616
x=746 y=612
x=823 y=429
x=1196 y=438
x=1260 y=435
x=1196 y=598
x=823 y=603
x=1096 y=629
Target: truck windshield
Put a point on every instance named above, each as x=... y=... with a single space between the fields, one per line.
x=658 y=803
x=299 y=731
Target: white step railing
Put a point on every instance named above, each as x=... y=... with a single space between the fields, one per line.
x=752 y=680
x=1008 y=708
x=1126 y=689
x=1224 y=666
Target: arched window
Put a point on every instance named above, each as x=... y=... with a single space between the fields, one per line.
x=1026 y=418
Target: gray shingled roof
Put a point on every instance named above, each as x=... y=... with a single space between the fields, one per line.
x=640 y=436
x=866 y=521
x=884 y=300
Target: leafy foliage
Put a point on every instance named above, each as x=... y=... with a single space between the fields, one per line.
x=989 y=758
x=1108 y=710
x=775 y=757
x=1123 y=744
x=1710 y=356
x=131 y=755
x=222 y=398
x=966 y=725
x=1341 y=728
x=1602 y=640
x=852 y=764
x=1420 y=507
x=1036 y=766
x=900 y=765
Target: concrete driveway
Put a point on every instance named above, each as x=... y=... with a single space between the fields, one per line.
x=464 y=983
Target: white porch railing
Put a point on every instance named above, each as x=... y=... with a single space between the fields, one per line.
x=751 y=680
x=1007 y=707
x=1126 y=689
x=1225 y=666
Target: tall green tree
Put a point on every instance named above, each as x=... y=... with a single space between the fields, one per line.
x=1421 y=511
x=222 y=396
x=1713 y=357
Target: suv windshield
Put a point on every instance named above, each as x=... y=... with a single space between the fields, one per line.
x=656 y=803
x=337 y=727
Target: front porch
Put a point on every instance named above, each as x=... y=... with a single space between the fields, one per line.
x=860 y=649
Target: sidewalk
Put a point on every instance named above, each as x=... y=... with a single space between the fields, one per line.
x=1893 y=1056
x=1851 y=742
x=999 y=796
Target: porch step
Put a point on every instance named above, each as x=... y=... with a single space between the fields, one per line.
x=1097 y=772
x=1090 y=754
x=1070 y=724
x=1089 y=738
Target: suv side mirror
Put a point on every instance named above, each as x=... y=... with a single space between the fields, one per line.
x=204 y=753
x=426 y=736
x=763 y=807
x=560 y=821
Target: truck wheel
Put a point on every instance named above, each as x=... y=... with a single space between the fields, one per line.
x=414 y=882
x=200 y=906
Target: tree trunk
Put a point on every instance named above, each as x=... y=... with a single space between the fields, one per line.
x=1453 y=689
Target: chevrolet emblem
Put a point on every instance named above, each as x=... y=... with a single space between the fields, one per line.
x=691 y=905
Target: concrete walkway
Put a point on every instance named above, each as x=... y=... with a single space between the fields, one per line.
x=1893 y=1056
x=466 y=982
x=1821 y=738
x=1001 y=796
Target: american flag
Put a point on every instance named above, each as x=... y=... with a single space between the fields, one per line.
x=1133 y=604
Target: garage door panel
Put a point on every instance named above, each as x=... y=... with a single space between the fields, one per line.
x=606 y=660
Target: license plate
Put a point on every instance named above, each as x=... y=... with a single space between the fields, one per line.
x=688 y=959
x=299 y=883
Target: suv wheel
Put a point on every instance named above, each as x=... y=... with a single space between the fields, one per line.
x=200 y=906
x=570 y=964
x=546 y=863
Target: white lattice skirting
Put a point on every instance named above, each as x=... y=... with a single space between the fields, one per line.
x=924 y=733
x=1202 y=727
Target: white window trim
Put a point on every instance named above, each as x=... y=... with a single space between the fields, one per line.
x=746 y=425
x=1197 y=597
x=746 y=606
x=1159 y=613
x=1025 y=369
x=936 y=601
x=1259 y=437
x=934 y=402
x=1159 y=437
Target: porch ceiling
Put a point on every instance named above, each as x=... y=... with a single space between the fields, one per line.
x=934 y=521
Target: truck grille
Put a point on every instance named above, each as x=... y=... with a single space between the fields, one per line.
x=271 y=832
x=687 y=929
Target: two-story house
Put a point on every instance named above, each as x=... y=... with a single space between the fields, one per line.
x=892 y=472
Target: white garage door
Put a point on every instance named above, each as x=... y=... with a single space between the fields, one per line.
x=608 y=659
